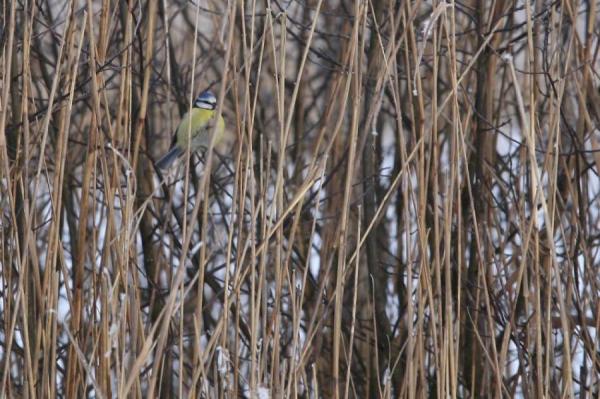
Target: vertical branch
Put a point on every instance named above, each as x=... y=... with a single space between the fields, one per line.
x=370 y=161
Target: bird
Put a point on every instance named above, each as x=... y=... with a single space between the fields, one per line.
x=202 y=119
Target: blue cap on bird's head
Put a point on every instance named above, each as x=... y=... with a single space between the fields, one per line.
x=206 y=100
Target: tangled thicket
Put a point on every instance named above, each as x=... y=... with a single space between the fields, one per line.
x=407 y=205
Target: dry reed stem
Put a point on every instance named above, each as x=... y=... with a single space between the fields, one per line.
x=406 y=205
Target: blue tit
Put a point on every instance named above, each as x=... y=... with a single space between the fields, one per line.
x=202 y=119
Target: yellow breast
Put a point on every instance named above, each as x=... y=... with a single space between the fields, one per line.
x=198 y=125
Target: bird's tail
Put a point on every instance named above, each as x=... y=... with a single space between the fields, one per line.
x=169 y=157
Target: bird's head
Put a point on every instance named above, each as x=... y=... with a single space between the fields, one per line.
x=206 y=100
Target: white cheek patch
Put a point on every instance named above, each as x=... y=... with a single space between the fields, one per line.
x=205 y=105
